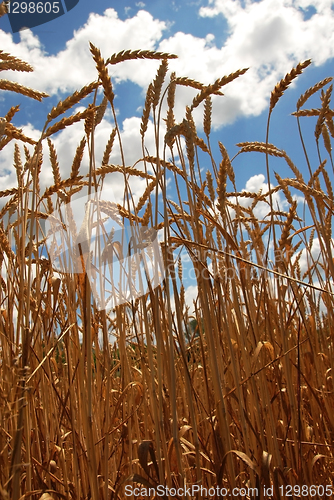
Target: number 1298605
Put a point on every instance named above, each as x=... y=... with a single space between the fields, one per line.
x=32 y=7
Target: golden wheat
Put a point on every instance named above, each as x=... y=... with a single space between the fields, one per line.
x=282 y=86
x=21 y=89
x=212 y=89
x=103 y=73
x=66 y=122
x=182 y=391
x=126 y=55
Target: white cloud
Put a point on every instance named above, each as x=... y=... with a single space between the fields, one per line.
x=255 y=184
x=66 y=143
x=74 y=67
x=268 y=36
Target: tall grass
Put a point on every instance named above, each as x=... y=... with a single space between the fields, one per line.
x=234 y=392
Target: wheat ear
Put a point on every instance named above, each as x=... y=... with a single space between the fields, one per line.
x=67 y=121
x=14 y=64
x=126 y=55
x=312 y=90
x=285 y=82
x=212 y=89
x=21 y=89
x=323 y=112
x=71 y=100
x=103 y=72
x=146 y=110
x=158 y=82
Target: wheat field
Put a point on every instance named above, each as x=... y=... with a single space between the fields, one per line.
x=235 y=391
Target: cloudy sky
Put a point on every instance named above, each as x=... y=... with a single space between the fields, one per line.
x=211 y=38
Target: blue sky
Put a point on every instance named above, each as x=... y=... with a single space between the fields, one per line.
x=212 y=38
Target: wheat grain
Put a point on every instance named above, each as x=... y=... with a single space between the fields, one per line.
x=3 y=8
x=8 y=192
x=293 y=167
x=89 y=124
x=146 y=110
x=103 y=73
x=145 y=196
x=282 y=86
x=15 y=133
x=330 y=124
x=187 y=82
x=20 y=89
x=221 y=186
x=18 y=165
x=9 y=62
x=147 y=214
x=158 y=82
x=54 y=163
x=5 y=245
x=261 y=149
x=109 y=146
x=259 y=146
x=126 y=55
x=324 y=110
x=126 y=170
x=71 y=100
x=188 y=133
x=328 y=185
x=316 y=173
x=27 y=155
x=191 y=123
x=210 y=186
x=311 y=91
x=3 y=124
x=61 y=185
x=228 y=165
x=284 y=241
x=172 y=133
x=170 y=121
x=306 y=112
x=4 y=141
x=100 y=112
x=201 y=144
x=67 y=121
x=285 y=189
x=211 y=89
x=326 y=138
x=78 y=159
x=10 y=115
x=207 y=116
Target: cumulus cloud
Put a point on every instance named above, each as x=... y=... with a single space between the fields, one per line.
x=66 y=143
x=268 y=36
x=74 y=67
